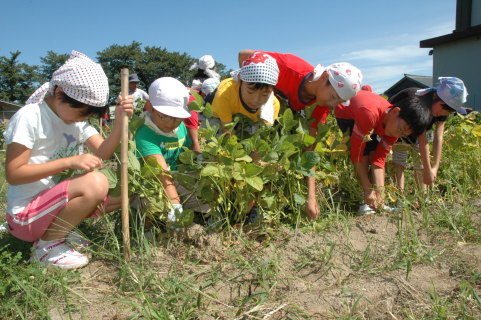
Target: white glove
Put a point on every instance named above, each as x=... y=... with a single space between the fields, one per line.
x=172 y=215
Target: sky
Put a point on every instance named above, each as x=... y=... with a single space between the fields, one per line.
x=380 y=37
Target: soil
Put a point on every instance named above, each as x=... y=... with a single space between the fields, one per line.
x=354 y=271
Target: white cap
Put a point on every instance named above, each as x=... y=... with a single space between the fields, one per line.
x=169 y=96
x=345 y=78
x=451 y=90
x=209 y=85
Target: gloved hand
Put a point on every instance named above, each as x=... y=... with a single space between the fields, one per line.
x=199 y=157
x=174 y=213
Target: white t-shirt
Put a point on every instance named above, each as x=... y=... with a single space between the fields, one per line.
x=139 y=94
x=38 y=128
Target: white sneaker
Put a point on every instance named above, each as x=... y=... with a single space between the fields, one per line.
x=365 y=210
x=58 y=254
x=77 y=240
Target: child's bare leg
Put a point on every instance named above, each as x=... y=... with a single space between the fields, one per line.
x=399 y=175
x=418 y=175
x=85 y=193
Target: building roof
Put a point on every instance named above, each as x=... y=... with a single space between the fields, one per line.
x=4 y=103
x=454 y=36
x=408 y=81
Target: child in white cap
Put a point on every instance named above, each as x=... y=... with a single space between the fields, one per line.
x=249 y=92
x=302 y=85
x=164 y=134
x=205 y=68
x=444 y=99
x=44 y=138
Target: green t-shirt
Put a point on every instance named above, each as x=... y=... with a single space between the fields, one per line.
x=149 y=143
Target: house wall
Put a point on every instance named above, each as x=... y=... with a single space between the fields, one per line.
x=461 y=59
x=476 y=13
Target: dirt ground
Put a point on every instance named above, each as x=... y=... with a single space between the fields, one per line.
x=351 y=272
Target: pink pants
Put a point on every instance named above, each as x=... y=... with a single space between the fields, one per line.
x=31 y=223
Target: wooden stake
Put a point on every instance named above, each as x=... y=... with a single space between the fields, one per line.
x=124 y=160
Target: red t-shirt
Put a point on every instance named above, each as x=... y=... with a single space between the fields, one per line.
x=367 y=109
x=193 y=121
x=293 y=71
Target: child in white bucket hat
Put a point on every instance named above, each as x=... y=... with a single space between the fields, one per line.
x=302 y=85
x=444 y=99
x=249 y=92
x=163 y=136
x=44 y=138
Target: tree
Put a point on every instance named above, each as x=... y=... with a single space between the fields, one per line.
x=116 y=57
x=17 y=80
x=51 y=62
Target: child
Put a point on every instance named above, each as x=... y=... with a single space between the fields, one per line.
x=44 y=138
x=444 y=99
x=249 y=92
x=372 y=119
x=205 y=69
x=303 y=85
x=164 y=134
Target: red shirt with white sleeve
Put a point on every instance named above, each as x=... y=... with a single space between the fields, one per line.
x=367 y=109
x=293 y=72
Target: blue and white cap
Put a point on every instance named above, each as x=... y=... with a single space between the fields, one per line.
x=451 y=90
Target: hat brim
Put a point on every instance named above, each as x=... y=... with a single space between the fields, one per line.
x=461 y=111
x=175 y=112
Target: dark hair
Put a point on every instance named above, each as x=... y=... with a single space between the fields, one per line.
x=89 y=110
x=416 y=112
x=258 y=85
x=428 y=99
x=200 y=75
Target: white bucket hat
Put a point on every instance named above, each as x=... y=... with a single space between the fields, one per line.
x=205 y=62
x=345 y=78
x=80 y=78
x=451 y=90
x=258 y=68
x=169 y=96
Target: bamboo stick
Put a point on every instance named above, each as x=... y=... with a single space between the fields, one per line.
x=124 y=167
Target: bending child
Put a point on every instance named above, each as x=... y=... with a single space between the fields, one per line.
x=446 y=98
x=164 y=134
x=44 y=138
x=249 y=92
x=375 y=125
x=302 y=85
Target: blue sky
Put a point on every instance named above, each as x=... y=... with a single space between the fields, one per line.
x=380 y=37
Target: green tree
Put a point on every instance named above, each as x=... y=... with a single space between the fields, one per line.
x=17 y=80
x=51 y=62
x=116 y=57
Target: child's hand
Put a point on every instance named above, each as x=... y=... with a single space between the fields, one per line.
x=85 y=162
x=124 y=105
x=373 y=198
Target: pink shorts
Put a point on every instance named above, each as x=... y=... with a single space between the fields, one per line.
x=31 y=223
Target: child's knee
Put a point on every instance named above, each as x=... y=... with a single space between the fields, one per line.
x=97 y=183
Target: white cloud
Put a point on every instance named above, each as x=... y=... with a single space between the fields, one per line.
x=388 y=54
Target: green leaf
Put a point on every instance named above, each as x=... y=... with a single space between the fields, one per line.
x=208 y=111
x=300 y=200
x=252 y=169
x=245 y=158
x=134 y=163
x=207 y=193
x=186 y=180
x=135 y=123
x=309 y=140
x=309 y=159
x=187 y=156
x=210 y=170
x=255 y=182
x=111 y=177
